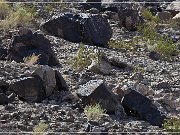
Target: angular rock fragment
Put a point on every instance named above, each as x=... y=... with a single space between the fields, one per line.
x=95 y=91
x=102 y=67
x=91 y=29
x=165 y=15
x=3 y=99
x=129 y=18
x=27 y=43
x=60 y=82
x=173 y=7
x=115 y=61
x=154 y=56
x=142 y=106
x=30 y=89
x=3 y=53
x=177 y=18
x=47 y=74
x=163 y=85
x=92 y=4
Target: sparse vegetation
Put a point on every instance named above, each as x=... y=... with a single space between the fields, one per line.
x=149 y=17
x=94 y=112
x=166 y=48
x=172 y=125
x=31 y=60
x=120 y=44
x=83 y=58
x=19 y=15
x=40 y=128
x=158 y=43
x=4 y=9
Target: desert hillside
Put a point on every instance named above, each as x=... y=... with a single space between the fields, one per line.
x=89 y=66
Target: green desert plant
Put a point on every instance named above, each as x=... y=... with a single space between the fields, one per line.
x=31 y=60
x=20 y=15
x=40 y=128
x=94 y=112
x=154 y=41
x=149 y=17
x=120 y=44
x=172 y=125
x=83 y=58
x=165 y=47
x=4 y=9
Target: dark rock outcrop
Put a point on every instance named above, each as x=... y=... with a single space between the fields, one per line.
x=41 y=83
x=27 y=44
x=128 y=15
x=173 y=7
x=129 y=18
x=3 y=99
x=95 y=91
x=60 y=82
x=30 y=89
x=92 y=4
x=3 y=53
x=92 y=29
x=142 y=106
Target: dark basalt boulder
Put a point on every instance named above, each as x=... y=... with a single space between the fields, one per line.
x=60 y=82
x=32 y=43
x=40 y=83
x=30 y=89
x=142 y=106
x=3 y=99
x=92 y=29
x=3 y=53
x=95 y=91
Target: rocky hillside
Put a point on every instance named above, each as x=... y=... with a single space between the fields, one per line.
x=94 y=66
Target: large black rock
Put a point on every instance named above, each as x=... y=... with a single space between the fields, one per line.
x=95 y=91
x=92 y=29
x=3 y=99
x=135 y=102
x=32 y=43
x=30 y=89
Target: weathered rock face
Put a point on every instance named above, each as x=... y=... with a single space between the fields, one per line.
x=27 y=44
x=102 y=67
x=177 y=18
x=30 y=89
x=129 y=18
x=91 y=29
x=142 y=106
x=3 y=53
x=165 y=15
x=127 y=13
x=39 y=83
x=95 y=91
x=60 y=82
x=92 y=4
x=173 y=7
x=47 y=74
